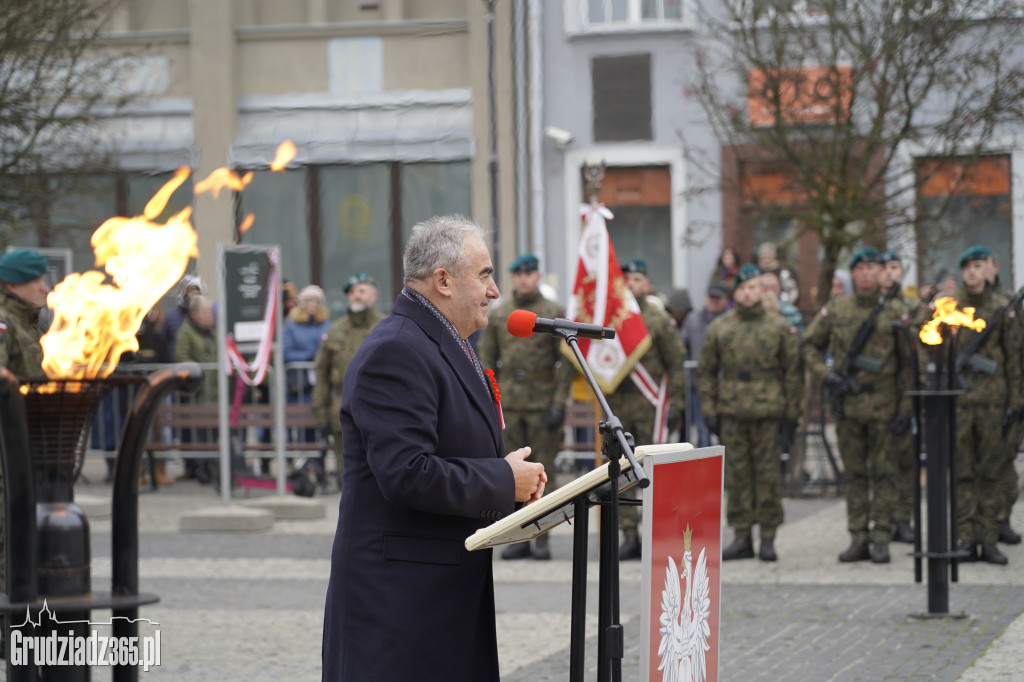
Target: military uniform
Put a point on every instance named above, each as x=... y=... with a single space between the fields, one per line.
x=995 y=384
x=666 y=355
x=903 y=444
x=750 y=376
x=342 y=340
x=866 y=427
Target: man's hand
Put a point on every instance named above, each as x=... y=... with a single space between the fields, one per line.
x=530 y=476
x=835 y=382
x=554 y=417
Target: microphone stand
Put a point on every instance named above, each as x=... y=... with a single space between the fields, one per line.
x=615 y=443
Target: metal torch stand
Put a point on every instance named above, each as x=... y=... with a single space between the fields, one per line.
x=35 y=556
x=939 y=405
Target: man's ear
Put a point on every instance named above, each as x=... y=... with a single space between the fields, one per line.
x=442 y=280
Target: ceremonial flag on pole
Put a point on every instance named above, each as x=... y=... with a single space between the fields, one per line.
x=600 y=296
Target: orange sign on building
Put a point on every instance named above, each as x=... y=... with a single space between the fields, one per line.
x=810 y=95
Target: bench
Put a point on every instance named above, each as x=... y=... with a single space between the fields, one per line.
x=192 y=417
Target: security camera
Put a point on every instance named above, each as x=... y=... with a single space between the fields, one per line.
x=561 y=137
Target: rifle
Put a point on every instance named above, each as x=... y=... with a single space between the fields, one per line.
x=853 y=360
x=968 y=357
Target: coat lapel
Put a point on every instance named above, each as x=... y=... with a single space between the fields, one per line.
x=456 y=357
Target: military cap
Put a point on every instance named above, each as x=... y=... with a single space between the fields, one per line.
x=888 y=256
x=978 y=252
x=24 y=265
x=358 y=278
x=745 y=273
x=638 y=265
x=525 y=263
x=868 y=254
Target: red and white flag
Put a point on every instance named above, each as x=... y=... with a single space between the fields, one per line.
x=600 y=296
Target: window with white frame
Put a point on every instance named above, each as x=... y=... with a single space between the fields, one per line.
x=615 y=15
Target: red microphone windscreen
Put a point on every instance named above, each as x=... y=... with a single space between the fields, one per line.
x=520 y=323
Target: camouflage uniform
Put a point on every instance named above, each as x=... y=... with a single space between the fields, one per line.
x=21 y=353
x=903 y=444
x=981 y=450
x=533 y=377
x=636 y=413
x=751 y=376
x=863 y=430
x=1008 y=485
x=340 y=344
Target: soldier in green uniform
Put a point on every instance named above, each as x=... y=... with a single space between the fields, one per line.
x=870 y=390
x=995 y=395
x=891 y=275
x=750 y=380
x=1008 y=482
x=340 y=343
x=534 y=381
x=663 y=361
x=22 y=296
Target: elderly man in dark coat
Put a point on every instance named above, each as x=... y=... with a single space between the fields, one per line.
x=425 y=467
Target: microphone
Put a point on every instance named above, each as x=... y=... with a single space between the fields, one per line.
x=523 y=323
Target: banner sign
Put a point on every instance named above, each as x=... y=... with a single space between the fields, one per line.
x=247 y=279
x=681 y=593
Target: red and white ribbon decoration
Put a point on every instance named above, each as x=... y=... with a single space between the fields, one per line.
x=254 y=373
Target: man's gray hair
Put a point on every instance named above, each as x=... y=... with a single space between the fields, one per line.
x=439 y=243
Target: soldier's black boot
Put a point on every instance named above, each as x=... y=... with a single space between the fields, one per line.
x=767 y=551
x=880 y=553
x=630 y=547
x=1007 y=535
x=541 y=550
x=991 y=554
x=857 y=551
x=520 y=550
x=970 y=549
x=741 y=548
x=903 y=533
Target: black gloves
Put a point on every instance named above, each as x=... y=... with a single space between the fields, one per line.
x=554 y=417
x=713 y=423
x=835 y=383
x=788 y=430
x=899 y=424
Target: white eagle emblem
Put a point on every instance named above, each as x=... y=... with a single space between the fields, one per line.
x=684 y=618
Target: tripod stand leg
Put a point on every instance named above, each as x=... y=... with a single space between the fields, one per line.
x=578 y=635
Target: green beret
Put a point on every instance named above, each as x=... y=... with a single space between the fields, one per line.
x=525 y=263
x=638 y=265
x=358 y=278
x=888 y=256
x=18 y=267
x=868 y=254
x=978 y=252
x=744 y=274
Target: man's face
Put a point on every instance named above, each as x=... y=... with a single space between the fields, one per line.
x=203 y=316
x=525 y=283
x=32 y=292
x=750 y=292
x=771 y=283
x=865 y=276
x=891 y=273
x=715 y=304
x=973 y=275
x=361 y=297
x=838 y=288
x=473 y=289
x=638 y=284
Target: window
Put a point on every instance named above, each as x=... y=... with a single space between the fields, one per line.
x=601 y=16
x=621 y=98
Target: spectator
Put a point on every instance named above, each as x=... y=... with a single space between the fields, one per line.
x=152 y=345
x=773 y=300
x=289 y=297
x=725 y=270
x=197 y=342
x=716 y=302
x=768 y=261
x=190 y=286
x=679 y=307
x=842 y=284
x=304 y=329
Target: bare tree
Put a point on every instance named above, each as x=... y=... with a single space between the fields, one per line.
x=840 y=98
x=56 y=82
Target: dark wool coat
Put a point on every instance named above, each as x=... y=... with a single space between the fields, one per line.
x=424 y=469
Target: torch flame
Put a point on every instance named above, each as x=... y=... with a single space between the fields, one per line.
x=95 y=321
x=221 y=178
x=946 y=313
x=285 y=153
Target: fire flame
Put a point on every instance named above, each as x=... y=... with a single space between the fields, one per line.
x=94 y=321
x=285 y=153
x=946 y=313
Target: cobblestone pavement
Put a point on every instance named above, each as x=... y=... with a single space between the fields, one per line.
x=249 y=606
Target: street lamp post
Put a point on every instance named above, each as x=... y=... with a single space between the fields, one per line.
x=492 y=165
